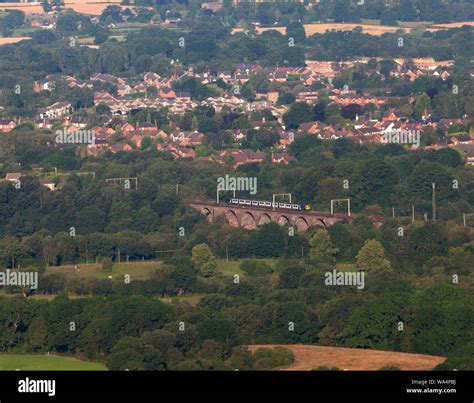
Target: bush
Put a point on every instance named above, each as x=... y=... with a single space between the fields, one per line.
x=255 y=268
x=266 y=358
x=107 y=264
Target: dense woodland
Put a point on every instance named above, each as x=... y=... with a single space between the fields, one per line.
x=389 y=12
x=410 y=277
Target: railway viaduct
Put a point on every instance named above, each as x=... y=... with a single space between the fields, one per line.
x=250 y=217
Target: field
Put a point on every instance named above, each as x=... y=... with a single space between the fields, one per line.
x=310 y=357
x=136 y=270
x=139 y=269
x=6 y=41
x=30 y=362
x=311 y=29
x=371 y=29
x=28 y=8
x=438 y=27
x=90 y=7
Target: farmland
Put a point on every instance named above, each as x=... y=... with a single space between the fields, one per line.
x=311 y=357
x=6 y=41
x=371 y=29
x=31 y=362
x=136 y=270
x=81 y=6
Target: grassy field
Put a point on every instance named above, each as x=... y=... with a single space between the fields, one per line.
x=30 y=362
x=141 y=270
x=193 y=299
x=232 y=267
x=308 y=357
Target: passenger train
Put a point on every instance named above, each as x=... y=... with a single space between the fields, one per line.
x=262 y=203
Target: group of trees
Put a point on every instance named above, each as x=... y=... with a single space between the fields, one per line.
x=288 y=303
x=389 y=13
x=375 y=177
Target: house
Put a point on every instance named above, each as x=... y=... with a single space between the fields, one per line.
x=13 y=176
x=182 y=152
x=239 y=135
x=79 y=121
x=57 y=110
x=392 y=116
x=286 y=138
x=138 y=136
x=247 y=157
x=307 y=95
x=43 y=85
x=6 y=124
x=127 y=127
x=225 y=76
x=106 y=131
x=120 y=147
x=237 y=157
x=145 y=126
x=48 y=183
x=167 y=93
x=139 y=89
x=152 y=79
x=108 y=78
x=213 y=6
x=186 y=138
x=124 y=90
x=44 y=123
x=468 y=151
x=282 y=158
x=309 y=127
x=183 y=96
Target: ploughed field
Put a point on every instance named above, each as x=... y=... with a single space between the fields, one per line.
x=308 y=357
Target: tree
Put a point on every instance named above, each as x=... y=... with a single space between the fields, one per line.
x=300 y=112
x=351 y=111
x=286 y=98
x=290 y=276
x=321 y=247
x=296 y=31
x=13 y=19
x=107 y=264
x=371 y=257
x=204 y=259
x=133 y=354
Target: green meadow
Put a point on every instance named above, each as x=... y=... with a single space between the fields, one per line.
x=33 y=362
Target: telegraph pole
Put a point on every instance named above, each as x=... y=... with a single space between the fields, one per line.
x=433 y=200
